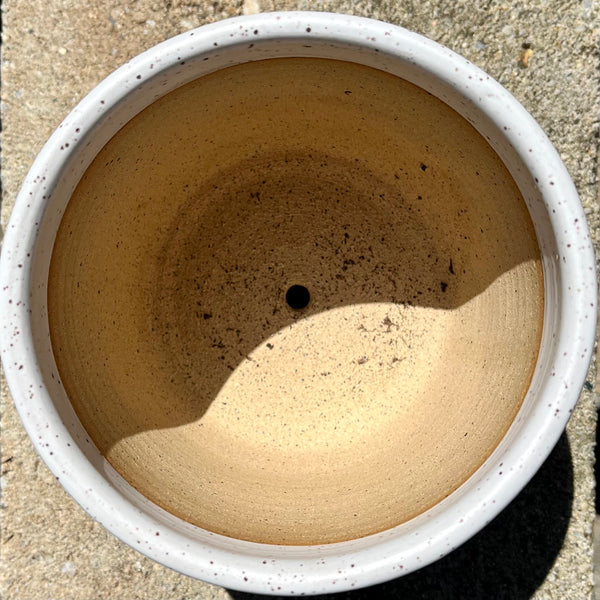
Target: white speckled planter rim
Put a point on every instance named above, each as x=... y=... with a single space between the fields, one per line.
x=569 y=326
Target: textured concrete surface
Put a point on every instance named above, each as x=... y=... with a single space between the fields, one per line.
x=544 y=51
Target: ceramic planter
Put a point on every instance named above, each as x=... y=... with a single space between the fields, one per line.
x=535 y=279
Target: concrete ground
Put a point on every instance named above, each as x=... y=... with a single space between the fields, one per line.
x=55 y=51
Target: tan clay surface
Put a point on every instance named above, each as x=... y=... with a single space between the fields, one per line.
x=240 y=414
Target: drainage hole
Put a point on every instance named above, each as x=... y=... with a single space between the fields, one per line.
x=297 y=297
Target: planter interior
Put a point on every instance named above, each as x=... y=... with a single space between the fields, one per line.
x=278 y=417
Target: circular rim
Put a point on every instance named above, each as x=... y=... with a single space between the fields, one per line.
x=335 y=567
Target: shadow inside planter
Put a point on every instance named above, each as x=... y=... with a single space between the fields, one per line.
x=223 y=277
x=508 y=560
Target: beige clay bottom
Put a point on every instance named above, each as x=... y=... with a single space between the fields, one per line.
x=238 y=413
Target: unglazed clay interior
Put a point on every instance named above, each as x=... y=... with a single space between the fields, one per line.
x=310 y=414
